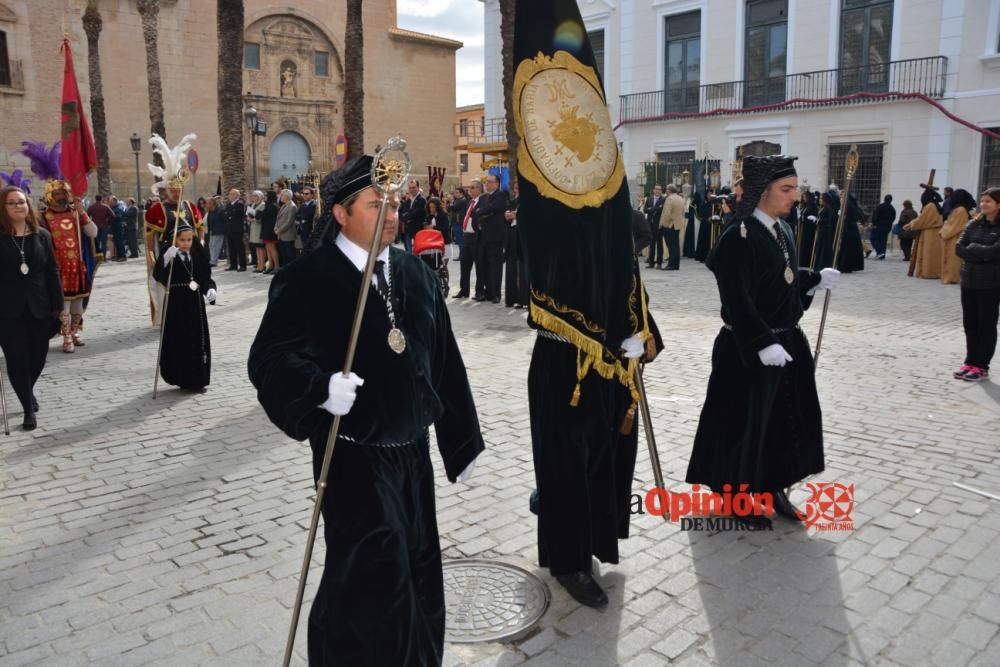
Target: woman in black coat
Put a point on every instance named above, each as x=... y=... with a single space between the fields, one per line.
x=267 y=236
x=31 y=296
x=979 y=247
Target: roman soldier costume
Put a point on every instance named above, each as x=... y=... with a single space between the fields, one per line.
x=73 y=236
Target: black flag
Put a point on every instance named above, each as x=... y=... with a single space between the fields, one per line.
x=574 y=215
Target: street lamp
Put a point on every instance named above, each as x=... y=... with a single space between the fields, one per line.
x=251 y=117
x=136 y=142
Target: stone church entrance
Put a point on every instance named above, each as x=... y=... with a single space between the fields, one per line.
x=289 y=156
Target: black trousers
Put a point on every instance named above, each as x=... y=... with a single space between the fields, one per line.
x=980 y=308
x=880 y=238
x=491 y=265
x=25 y=344
x=654 y=239
x=467 y=260
x=673 y=241
x=905 y=245
x=516 y=291
x=131 y=239
x=234 y=249
x=656 y=247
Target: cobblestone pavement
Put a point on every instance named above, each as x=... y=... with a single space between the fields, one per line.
x=170 y=532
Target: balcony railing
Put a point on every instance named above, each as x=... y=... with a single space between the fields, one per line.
x=491 y=132
x=808 y=90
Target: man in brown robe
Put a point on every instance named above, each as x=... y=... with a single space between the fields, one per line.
x=929 y=245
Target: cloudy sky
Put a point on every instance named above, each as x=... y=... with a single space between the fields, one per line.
x=455 y=19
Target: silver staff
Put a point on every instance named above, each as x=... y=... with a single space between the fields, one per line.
x=3 y=405
x=390 y=171
x=647 y=423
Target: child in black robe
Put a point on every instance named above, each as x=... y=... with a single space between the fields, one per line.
x=186 y=357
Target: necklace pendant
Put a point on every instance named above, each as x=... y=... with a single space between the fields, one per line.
x=24 y=269
x=397 y=341
x=193 y=286
x=789 y=276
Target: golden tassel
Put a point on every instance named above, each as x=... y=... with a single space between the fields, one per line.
x=650 y=349
x=629 y=420
x=575 y=401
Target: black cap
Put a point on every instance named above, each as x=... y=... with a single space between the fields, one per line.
x=758 y=173
x=349 y=180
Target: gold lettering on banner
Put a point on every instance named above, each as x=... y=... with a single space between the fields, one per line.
x=568 y=148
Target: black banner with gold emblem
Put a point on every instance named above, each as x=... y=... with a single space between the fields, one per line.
x=574 y=216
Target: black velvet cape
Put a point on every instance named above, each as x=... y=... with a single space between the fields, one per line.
x=186 y=358
x=806 y=229
x=852 y=253
x=381 y=598
x=760 y=425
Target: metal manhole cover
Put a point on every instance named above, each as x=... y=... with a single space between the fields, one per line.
x=487 y=601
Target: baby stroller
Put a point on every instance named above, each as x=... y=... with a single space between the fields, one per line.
x=428 y=245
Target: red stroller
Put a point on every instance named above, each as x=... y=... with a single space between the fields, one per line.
x=428 y=245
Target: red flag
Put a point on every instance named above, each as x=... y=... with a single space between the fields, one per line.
x=78 y=156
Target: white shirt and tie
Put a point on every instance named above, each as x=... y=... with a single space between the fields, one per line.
x=467 y=223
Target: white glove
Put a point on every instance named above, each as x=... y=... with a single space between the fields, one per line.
x=811 y=218
x=211 y=294
x=343 y=392
x=715 y=218
x=467 y=473
x=169 y=254
x=828 y=279
x=633 y=347
x=774 y=355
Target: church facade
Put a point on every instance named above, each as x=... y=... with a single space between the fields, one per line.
x=293 y=76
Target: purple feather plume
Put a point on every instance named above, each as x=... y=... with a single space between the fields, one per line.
x=16 y=179
x=44 y=160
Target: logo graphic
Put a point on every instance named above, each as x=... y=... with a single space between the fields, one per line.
x=829 y=506
x=568 y=149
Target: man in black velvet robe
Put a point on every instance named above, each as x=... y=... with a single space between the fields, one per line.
x=381 y=598
x=761 y=423
x=588 y=302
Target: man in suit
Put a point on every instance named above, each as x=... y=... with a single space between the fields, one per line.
x=305 y=215
x=489 y=215
x=672 y=221
x=470 y=246
x=412 y=213
x=652 y=207
x=131 y=221
x=235 y=214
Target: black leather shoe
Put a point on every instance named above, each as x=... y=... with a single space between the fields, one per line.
x=584 y=588
x=784 y=507
x=29 y=423
x=460 y=295
x=533 y=502
x=479 y=298
x=497 y=300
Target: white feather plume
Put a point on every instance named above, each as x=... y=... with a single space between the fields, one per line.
x=173 y=159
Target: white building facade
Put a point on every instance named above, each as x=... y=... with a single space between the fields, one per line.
x=693 y=79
